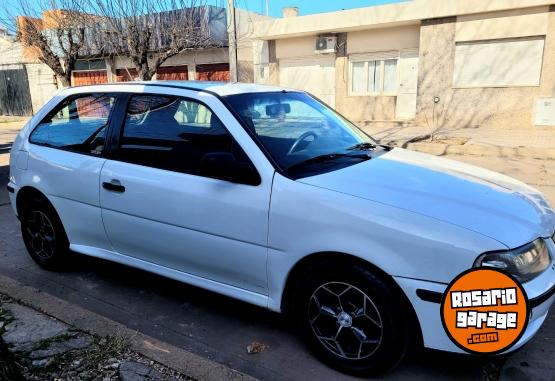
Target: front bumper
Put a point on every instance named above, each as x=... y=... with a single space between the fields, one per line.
x=425 y=298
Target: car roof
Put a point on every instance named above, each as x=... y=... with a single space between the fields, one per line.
x=219 y=88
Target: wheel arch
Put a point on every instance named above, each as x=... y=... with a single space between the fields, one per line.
x=26 y=193
x=296 y=272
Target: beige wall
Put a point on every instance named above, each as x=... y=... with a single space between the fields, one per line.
x=381 y=40
x=246 y=49
x=506 y=24
x=484 y=107
x=296 y=47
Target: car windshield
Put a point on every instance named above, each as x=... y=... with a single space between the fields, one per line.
x=300 y=132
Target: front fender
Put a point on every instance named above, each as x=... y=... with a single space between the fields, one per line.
x=305 y=219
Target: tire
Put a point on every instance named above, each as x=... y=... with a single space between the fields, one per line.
x=43 y=235
x=372 y=339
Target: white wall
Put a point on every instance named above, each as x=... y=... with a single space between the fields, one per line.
x=10 y=51
x=41 y=84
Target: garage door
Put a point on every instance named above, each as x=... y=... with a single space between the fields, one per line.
x=172 y=73
x=15 y=96
x=89 y=77
x=315 y=75
x=213 y=72
x=126 y=75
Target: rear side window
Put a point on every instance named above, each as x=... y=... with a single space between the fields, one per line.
x=78 y=124
x=175 y=134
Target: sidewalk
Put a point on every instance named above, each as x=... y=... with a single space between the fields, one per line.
x=51 y=339
x=45 y=348
x=9 y=128
x=537 y=143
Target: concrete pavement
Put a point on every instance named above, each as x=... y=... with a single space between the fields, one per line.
x=538 y=137
x=124 y=343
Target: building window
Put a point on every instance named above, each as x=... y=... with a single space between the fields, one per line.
x=90 y=65
x=374 y=76
x=499 y=63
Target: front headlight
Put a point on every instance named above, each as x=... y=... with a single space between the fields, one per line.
x=524 y=263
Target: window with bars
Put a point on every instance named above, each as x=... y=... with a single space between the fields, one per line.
x=374 y=77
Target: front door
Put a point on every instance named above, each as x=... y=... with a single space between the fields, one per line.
x=160 y=206
x=408 y=83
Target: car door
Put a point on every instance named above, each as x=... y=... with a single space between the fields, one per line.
x=161 y=206
x=66 y=154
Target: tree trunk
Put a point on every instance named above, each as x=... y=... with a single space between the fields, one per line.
x=144 y=74
x=65 y=80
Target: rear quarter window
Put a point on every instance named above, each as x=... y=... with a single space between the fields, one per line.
x=77 y=124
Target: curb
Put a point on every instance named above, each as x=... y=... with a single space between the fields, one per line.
x=440 y=149
x=173 y=357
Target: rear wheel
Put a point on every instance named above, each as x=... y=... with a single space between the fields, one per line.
x=43 y=234
x=352 y=318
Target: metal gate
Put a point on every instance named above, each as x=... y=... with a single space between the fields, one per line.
x=15 y=96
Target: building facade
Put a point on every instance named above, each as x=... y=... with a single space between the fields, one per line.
x=25 y=84
x=209 y=64
x=450 y=63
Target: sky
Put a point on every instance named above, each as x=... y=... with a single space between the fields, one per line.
x=308 y=6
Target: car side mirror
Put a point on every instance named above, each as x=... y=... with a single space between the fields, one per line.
x=224 y=166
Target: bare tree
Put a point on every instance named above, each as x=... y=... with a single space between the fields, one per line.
x=150 y=32
x=52 y=31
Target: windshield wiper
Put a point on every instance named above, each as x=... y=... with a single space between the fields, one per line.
x=326 y=158
x=368 y=146
x=362 y=146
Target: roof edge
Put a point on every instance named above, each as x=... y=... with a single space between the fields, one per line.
x=389 y=15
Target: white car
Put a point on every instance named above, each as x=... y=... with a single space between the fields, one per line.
x=266 y=195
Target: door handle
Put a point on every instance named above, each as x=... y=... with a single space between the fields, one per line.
x=114 y=186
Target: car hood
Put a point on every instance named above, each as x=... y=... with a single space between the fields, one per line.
x=483 y=201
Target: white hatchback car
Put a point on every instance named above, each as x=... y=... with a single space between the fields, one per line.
x=267 y=195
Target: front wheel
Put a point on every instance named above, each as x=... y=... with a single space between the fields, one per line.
x=352 y=318
x=44 y=235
